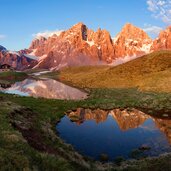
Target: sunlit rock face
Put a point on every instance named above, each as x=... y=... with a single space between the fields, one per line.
x=165 y=126
x=132 y=41
x=18 y=60
x=101 y=45
x=80 y=45
x=49 y=89
x=36 y=43
x=163 y=42
x=76 y=46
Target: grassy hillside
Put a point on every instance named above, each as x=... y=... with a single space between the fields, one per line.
x=151 y=72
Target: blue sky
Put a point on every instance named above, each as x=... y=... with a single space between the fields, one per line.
x=20 y=19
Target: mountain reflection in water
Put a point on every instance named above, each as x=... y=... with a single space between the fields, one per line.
x=46 y=88
x=115 y=132
x=126 y=119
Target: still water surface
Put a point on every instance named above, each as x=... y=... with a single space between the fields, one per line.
x=115 y=133
x=46 y=88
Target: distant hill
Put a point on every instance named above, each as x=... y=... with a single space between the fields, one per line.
x=151 y=72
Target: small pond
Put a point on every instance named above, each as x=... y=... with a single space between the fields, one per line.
x=115 y=133
x=46 y=88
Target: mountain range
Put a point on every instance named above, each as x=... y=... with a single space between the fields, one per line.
x=82 y=46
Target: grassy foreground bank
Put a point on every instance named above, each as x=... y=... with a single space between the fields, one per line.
x=29 y=140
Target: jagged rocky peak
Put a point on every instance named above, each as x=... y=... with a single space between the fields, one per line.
x=163 y=42
x=132 y=41
x=130 y=31
x=38 y=41
x=99 y=36
x=82 y=46
x=79 y=27
x=78 y=31
x=75 y=46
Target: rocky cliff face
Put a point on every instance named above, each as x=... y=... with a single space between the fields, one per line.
x=36 y=43
x=17 y=60
x=82 y=46
x=76 y=46
x=132 y=41
x=163 y=42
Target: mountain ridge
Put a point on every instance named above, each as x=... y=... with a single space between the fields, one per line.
x=80 y=45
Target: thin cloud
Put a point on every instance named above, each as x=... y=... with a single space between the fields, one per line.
x=47 y=33
x=2 y=36
x=161 y=9
x=154 y=30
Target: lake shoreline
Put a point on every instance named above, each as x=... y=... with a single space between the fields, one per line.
x=95 y=100
x=36 y=118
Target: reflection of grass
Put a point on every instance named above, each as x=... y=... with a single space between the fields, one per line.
x=104 y=157
x=137 y=154
x=4 y=82
x=151 y=73
x=118 y=160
